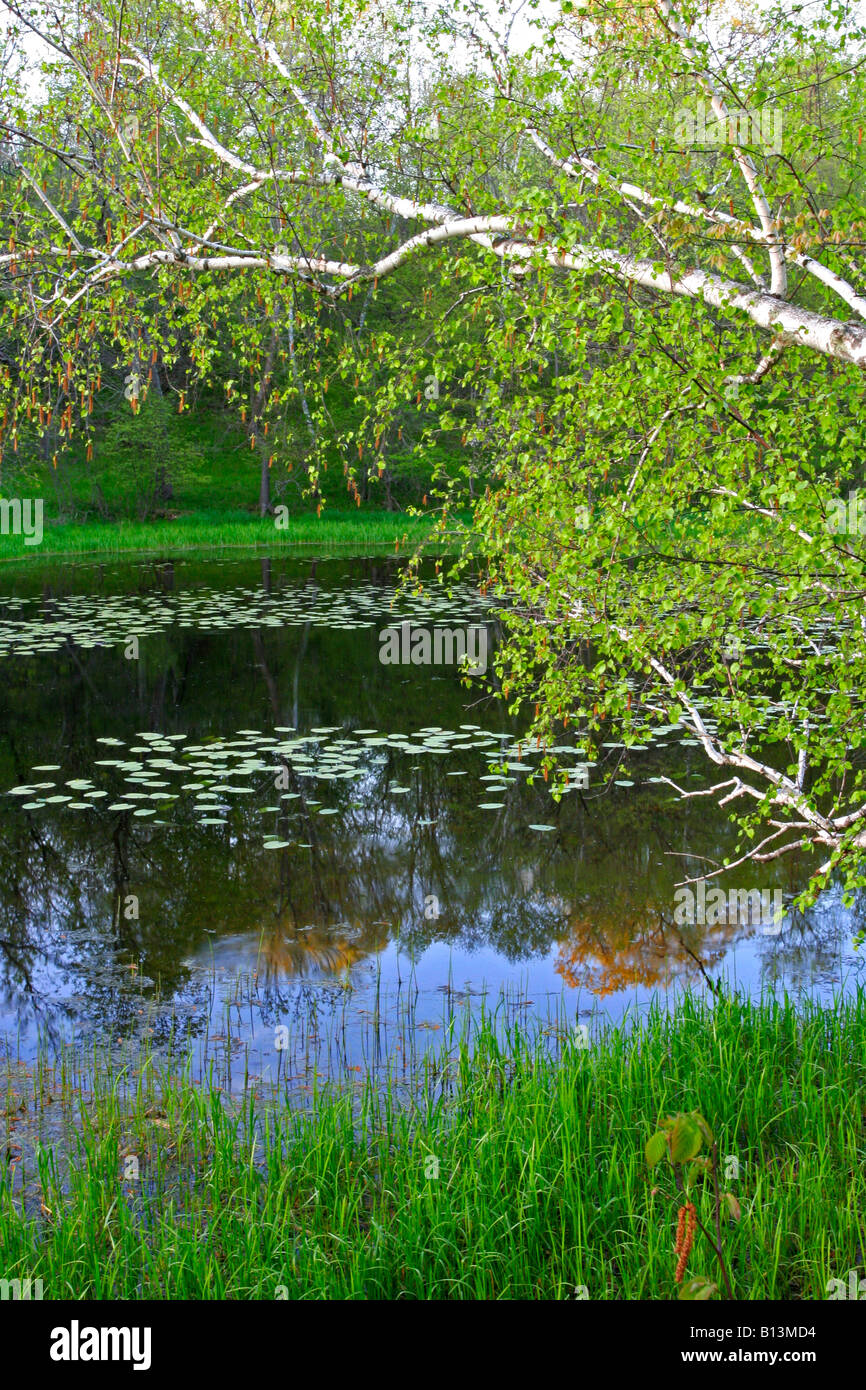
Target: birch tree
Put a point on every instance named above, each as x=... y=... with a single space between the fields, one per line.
x=626 y=242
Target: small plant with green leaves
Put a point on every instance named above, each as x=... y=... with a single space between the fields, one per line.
x=681 y=1139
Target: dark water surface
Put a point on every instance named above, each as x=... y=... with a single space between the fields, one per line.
x=223 y=817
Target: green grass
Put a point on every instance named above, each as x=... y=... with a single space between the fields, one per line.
x=542 y=1185
x=217 y=531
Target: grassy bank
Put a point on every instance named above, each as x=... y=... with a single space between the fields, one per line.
x=523 y=1176
x=360 y=530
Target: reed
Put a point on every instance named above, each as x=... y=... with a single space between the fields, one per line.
x=219 y=531
x=516 y=1170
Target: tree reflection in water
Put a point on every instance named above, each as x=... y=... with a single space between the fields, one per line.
x=589 y=905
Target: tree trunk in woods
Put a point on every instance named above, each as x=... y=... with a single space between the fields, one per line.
x=259 y=406
x=264 y=485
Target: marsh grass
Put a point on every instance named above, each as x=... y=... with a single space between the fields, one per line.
x=218 y=531
x=542 y=1185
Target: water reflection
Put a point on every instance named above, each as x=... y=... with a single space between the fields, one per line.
x=396 y=872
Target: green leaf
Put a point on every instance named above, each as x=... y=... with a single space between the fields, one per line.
x=686 y=1140
x=656 y=1147
x=697 y=1290
x=702 y=1125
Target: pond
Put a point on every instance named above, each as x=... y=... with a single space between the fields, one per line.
x=228 y=824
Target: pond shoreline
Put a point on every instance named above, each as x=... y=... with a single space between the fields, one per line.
x=216 y=532
x=517 y=1171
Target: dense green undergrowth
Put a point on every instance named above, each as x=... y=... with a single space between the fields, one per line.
x=158 y=466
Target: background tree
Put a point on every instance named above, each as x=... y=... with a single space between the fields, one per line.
x=627 y=242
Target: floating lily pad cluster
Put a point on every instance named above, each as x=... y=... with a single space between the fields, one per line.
x=33 y=626
x=144 y=778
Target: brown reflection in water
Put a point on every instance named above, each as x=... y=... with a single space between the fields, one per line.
x=284 y=950
x=616 y=949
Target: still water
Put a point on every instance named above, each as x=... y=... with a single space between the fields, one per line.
x=226 y=823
